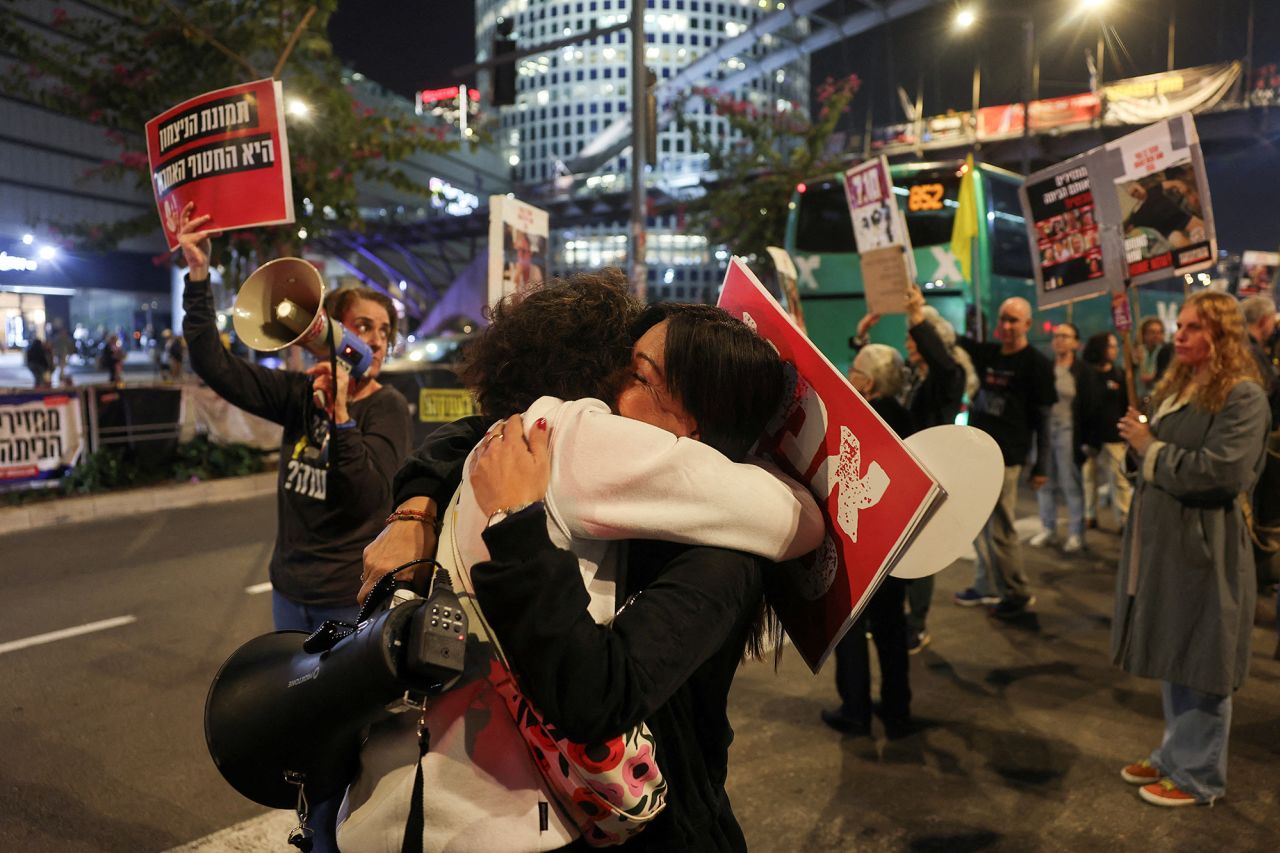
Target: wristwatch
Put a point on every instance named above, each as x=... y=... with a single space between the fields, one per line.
x=500 y=515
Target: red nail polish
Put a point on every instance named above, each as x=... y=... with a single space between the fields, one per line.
x=541 y=423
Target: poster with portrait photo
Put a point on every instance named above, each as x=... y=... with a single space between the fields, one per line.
x=1258 y=274
x=1064 y=227
x=518 y=235
x=1163 y=194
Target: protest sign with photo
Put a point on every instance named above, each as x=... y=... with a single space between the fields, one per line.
x=873 y=491
x=227 y=151
x=878 y=224
x=1164 y=200
x=518 y=235
x=1258 y=274
x=41 y=436
x=1063 y=223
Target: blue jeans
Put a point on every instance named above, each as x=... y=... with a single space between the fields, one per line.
x=292 y=616
x=1064 y=479
x=1193 y=753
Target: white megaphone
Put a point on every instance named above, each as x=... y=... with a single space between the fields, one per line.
x=282 y=304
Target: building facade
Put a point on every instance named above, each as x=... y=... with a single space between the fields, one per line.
x=567 y=97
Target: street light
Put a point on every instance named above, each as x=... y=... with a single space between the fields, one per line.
x=964 y=19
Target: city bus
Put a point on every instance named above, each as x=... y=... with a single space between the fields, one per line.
x=819 y=239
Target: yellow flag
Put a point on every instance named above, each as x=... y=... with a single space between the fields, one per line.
x=965 y=227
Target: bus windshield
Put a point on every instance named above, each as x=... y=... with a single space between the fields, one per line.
x=927 y=197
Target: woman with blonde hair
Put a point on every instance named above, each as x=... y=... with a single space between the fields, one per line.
x=1185 y=590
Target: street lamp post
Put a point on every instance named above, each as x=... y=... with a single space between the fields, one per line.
x=966 y=18
x=639 y=120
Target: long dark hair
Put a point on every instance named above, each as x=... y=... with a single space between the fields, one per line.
x=725 y=375
x=568 y=339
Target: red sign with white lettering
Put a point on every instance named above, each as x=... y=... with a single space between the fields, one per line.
x=873 y=492
x=227 y=151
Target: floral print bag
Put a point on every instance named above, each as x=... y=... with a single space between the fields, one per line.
x=611 y=789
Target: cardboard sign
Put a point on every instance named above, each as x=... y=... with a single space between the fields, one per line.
x=1164 y=201
x=1258 y=274
x=878 y=224
x=41 y=436
x=873 y=491
x=1133 y=211
x=1066 y=233
x=227 y=151
x=1121 y=314
x=517 y=246
x=885 y=279
x=787 y=276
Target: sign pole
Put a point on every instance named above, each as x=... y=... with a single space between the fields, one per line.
x=1122 y=318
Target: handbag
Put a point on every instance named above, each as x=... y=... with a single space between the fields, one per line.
x=609 y=790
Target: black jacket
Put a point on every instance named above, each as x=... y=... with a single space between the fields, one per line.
x=667 y=659
x=938 y=396
x=325 y=517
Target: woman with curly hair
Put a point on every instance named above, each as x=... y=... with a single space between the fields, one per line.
x=540 y=546
x=1185 y=590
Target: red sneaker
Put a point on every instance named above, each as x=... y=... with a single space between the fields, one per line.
x=1165 y=793
x=1140 y=773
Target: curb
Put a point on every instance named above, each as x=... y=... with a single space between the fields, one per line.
x=134 y=502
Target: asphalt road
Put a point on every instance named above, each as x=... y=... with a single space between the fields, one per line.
x=101 y=735
x=1025 y=726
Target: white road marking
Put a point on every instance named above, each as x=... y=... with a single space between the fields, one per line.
x=65 y=633
x=265 y=834
x=258 y=588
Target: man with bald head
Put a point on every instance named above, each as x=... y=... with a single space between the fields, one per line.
x=1012 y=405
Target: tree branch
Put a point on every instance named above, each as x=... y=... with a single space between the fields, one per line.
x=293 y=40
x=219 y=46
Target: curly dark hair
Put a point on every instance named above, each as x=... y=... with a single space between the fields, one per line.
x=1095 y=349
x=568 y=339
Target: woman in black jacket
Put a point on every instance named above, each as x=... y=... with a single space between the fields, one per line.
x=877 y=374
x=1100 y=403
x=941 y=377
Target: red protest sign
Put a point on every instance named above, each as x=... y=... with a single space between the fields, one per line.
x=227 y=151
x=873 y=492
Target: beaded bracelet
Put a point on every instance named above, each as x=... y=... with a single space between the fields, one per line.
x=413 y=515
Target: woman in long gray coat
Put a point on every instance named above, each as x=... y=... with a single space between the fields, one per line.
x=1185 y=590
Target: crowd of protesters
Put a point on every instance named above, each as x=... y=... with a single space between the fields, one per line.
x=1178 y=465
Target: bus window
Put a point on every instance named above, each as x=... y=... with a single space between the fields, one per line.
x=1010 y=248
x=823 y=224
x=928 y=198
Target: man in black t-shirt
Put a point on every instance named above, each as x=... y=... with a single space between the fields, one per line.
x=1012 y=404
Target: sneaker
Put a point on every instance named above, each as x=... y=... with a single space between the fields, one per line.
x=1012 y=607
x=1041 y=539
x=916 y=641
x=1140 y=773
x=972 y=598
x=1165 y=793
x=1073 y=545
x=843 y=723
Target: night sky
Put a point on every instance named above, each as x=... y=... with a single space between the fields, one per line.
x=408 y=45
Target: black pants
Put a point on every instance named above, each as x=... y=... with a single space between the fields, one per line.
x=888 y=623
